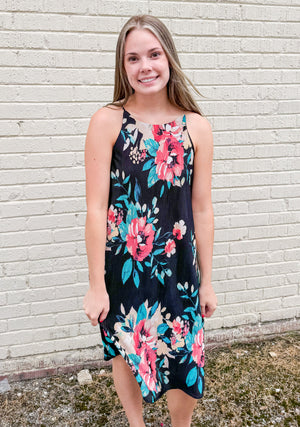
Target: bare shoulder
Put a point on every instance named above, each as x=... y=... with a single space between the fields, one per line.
x=105 y=125
x=200 y=130
x=108 y=114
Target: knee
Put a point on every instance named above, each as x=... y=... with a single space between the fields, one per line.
x=181 y=407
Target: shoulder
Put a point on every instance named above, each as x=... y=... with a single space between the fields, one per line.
x=200 y=130
x=108 y=114
x=106 y=124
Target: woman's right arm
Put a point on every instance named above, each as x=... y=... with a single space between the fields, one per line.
x=100 y=138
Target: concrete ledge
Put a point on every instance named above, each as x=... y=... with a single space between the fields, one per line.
x=73 y=361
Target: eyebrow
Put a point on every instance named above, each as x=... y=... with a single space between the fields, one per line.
x=150 y=50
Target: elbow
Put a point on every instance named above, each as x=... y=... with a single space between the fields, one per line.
x=204 y=207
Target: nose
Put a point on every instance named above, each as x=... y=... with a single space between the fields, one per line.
x=145 y=65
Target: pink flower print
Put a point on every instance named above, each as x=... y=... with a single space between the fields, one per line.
x=170 y=247
x=147 y=367
x=177 y=325
x=112 y=229
x=198 y=348
x=159 y=133
x=111 y=215
x=169 y=159
x=140 y=238
x=119 y=218
x=173 y=340
x=143 y=336
x=143 y=155
x=108 y=229
x=179 y=229
x=186 y=329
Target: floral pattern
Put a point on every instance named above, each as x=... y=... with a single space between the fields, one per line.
x=151 y=269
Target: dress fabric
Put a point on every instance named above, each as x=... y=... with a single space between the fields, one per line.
x=151 y=270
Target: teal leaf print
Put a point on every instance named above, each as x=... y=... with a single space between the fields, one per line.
x=157 y=233
x=195 y=293
x=111 y=351
x=183 y=359
x=160 y=278
x=123 y=230
x=137 y=191
x=148 y=164
x=124 y=197
x=135 y=358
x=162 y=328
x=126 y=270
x=140 y=267
x=191 y=377
x=136 y=278
x=126 y=329
x=200 y=385
x=158 y=251
x=152 y=177
x=189 y=310
x=152 y=146
x=144 y=389
x=142 y=313
x=153 y=309
x=118 y=250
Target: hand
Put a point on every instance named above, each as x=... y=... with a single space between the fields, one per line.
x=208 y=299
x=95 y=304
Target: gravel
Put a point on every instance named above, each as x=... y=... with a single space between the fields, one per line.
x=247 y=384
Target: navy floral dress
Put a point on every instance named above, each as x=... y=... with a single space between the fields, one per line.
x=151 y=271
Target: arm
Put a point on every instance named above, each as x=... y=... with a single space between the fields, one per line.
x=98 y=151
x=202 y=137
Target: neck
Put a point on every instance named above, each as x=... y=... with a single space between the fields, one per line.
x=151 y=104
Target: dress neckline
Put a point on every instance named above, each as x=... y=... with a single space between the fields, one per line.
x=182 y=117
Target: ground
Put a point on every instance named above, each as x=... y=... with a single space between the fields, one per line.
x=253 y=384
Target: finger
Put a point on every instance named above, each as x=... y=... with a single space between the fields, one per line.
x=103 y=315
x=203 y=310
x=94 y=322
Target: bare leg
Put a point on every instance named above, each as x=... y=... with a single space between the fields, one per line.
x=128 y=391
x=181 y=407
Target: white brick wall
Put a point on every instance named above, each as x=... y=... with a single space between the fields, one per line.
x=57 y=62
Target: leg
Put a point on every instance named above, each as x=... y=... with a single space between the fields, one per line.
x=128 y=391
x=181 y=407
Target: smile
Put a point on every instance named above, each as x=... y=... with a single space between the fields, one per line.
x=150 y=79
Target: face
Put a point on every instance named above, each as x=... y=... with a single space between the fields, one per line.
x=145 y=63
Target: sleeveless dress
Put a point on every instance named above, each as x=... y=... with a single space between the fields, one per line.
x=151 y=271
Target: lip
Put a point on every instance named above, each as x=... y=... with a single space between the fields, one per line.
x=153 y=78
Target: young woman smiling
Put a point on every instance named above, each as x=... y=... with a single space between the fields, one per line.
x=150 y=226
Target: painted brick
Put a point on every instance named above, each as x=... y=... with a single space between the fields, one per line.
x=54 y=306
x=31 y=322
x=281 y=314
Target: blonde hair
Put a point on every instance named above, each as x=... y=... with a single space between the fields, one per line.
x=178 y=92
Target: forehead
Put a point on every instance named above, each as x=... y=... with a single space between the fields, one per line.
x=141 y=39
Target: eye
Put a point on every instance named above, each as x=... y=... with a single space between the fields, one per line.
x=132 y=58
x=155 y=54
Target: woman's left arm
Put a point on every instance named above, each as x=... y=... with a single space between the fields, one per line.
x=201 y=135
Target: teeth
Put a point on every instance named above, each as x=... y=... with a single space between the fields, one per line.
x=148 y=80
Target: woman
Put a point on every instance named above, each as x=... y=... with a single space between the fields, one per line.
x=149 y=226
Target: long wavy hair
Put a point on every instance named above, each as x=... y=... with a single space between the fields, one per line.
x=177 y=87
